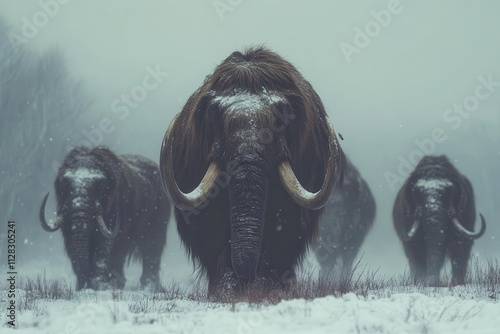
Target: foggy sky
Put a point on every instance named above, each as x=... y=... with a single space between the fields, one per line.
x=396 y=90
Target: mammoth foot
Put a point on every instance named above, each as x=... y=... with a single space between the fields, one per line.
x=226 y=289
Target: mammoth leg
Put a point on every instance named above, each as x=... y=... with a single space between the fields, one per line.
x=151 y=247
x=285 y=241
x=350 y=249
x=328 y=256
x=116 y=274
x=223 y=282
x=207 y=239
x=418 y=271
x=459 y=255
x=416 y=254
x=272 y=275
x=329 y=267
x=151 y=269
x=100 y=273
x=287 y=278
x=347 y=261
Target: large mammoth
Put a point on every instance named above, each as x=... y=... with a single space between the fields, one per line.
x=344 y=225
x=434 y=216
x=109 y=208
x=249 y=163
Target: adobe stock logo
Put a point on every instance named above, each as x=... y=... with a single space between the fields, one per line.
x=223 y=6
x=120 y=109
x=363 y=37
x=30 y=27
x=454 y=117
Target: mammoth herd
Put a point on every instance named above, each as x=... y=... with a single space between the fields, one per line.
x=256 y=176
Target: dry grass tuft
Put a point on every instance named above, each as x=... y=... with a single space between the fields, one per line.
x=483 y=282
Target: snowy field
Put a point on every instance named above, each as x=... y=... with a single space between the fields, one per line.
x=362 y=305
x=77 y=77
x=398 y=313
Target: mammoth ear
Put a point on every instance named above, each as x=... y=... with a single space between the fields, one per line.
x=193 y=140
x=308 y=137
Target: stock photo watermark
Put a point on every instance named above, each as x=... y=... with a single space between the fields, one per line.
x=363 y=36
x=223 y=6
x=453 y=117
x=32 y=25
x=120 y=108
x=11 y=274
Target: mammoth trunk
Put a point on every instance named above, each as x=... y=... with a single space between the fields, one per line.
x=434 y=231
x=78 y=247
x=248 y=193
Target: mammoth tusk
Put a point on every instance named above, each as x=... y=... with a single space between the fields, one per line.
x=304 y=197
x=45 y=225
x=413 y=230
x=179 y=198
x=104 y=229
x=468 y=234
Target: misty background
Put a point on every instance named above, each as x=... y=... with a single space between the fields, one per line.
x=382 y=98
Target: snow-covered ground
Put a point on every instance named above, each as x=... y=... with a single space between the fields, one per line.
x=432 y=310
x=382 y=304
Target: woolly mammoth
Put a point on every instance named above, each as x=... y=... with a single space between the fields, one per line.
x=109 y=208
x=344 y=225
x=249 y=163
x=434 y=216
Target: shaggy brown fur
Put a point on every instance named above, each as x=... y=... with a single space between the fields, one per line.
x=129 y=193
x=435 y=204
x=208 y=130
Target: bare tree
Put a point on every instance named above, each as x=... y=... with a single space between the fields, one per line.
x=39 y=107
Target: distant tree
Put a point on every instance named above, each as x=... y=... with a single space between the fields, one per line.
x=39 y=107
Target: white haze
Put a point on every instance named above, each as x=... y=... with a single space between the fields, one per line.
x=395 y=91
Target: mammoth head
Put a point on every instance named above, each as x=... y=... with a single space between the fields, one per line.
x=436 y=187
x=253 y=107
x=85 y=188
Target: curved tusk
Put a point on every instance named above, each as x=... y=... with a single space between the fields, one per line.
x=104 y=229
x=413 y=230
x=304 y=197
x=180 y=199
x=45 y=225
x=468 y=234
